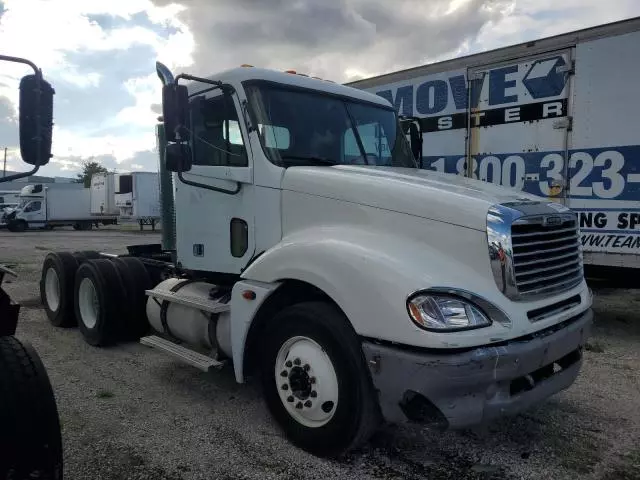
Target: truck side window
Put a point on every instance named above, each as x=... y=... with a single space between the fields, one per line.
x=33 y=207
x=375 y=144
x=216 y=136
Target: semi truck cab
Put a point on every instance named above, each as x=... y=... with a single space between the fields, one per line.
x=311 y=252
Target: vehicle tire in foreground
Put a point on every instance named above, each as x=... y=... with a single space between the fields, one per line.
x=30 y=440
x=136 y=280
x=315 y=380
x=56 y=288
x=98 y=302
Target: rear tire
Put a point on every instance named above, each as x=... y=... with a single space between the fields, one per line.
x=30 y=440
x=136 y=280
x=98 y=302
x=56 y=288
x=315 y=380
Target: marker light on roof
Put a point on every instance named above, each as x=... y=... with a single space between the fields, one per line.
x=246 y=65
x=290 y=71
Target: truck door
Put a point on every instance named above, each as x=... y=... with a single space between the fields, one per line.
x=216 y=220
x=34 y=212
x=519 y=123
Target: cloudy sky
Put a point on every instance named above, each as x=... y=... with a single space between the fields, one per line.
x=100 y=55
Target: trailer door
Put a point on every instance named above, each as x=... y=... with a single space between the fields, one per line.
x=519 y=123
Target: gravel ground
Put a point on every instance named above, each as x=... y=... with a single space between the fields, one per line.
x=129 y=412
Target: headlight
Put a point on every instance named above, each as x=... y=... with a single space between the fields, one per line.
x=445 y=313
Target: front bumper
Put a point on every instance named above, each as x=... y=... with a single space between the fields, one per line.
x=460 y=390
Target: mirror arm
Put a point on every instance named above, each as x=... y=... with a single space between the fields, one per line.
x=209 y=187
x=7 y=58
x=16 y=176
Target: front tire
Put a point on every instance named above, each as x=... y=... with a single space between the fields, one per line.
x=30 y=439
x=315 y=380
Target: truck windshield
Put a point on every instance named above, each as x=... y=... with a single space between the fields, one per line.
x=301 y=127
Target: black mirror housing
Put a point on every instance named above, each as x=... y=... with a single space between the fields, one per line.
x=36 y=119
x=177 y=157
x=175 y=103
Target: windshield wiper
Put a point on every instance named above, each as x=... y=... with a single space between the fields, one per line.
x=310 y=159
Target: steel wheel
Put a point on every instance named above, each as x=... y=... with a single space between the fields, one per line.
x=306 y=381
x=88 y=303
x=52 y=289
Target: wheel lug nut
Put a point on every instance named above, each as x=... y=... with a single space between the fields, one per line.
x=299 y=405
x=312 y=380
x=314 y=394
x=284 y=373
x=297 y=361
x=306 y=367
x=307 y=404
x=285 y=386
x=290 y=399
x=289 y=364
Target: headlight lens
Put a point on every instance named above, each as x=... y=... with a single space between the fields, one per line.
x=445 y=313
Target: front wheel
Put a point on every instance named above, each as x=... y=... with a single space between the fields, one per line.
x=315 y=380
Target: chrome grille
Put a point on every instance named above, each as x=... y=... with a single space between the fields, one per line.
x=546 y=257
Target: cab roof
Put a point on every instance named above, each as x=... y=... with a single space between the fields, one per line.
x=243 y=74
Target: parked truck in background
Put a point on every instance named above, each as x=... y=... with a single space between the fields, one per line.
x=555 y=117
x=44 y=207
x=312 y=253
x=138 y=197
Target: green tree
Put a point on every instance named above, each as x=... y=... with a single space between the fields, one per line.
x=89 y=168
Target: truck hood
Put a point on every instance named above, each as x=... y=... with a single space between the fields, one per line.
x=424 y=193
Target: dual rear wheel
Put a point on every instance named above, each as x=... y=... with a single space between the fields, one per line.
x=104 y=297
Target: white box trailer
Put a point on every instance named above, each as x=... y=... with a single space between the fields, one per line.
x=44 y=207
x=103 y=201
x=556 y=117
x=137 y=197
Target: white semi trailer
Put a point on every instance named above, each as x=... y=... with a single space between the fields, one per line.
x=137 y=198
x=354 y=285
x=555 y=117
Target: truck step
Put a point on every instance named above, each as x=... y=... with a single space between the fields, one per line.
x=190 y=357
x=204 y=304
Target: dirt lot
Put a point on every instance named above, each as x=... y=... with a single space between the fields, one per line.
x=129 y=412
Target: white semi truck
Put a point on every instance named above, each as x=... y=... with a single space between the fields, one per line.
x=45 y=207
x=312 y=253
x=556 y=117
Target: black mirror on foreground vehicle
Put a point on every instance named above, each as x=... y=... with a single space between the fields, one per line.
x=177 y=157
x=175 y=103
x=35 y=119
